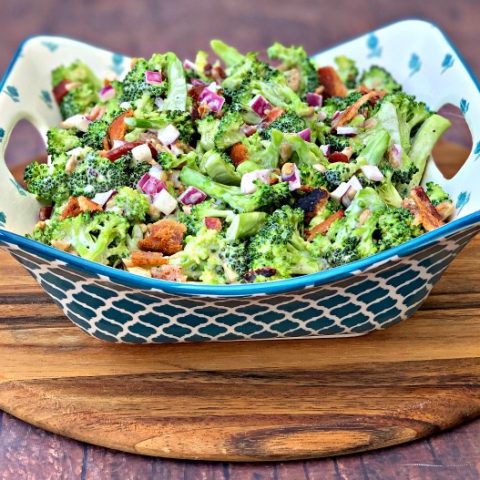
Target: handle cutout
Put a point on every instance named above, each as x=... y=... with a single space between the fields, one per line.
x=24 y=146
x=455 y=143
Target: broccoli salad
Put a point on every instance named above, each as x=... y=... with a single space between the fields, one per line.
x=235 y=170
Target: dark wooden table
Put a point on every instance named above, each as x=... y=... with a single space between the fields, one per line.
x=139 y=28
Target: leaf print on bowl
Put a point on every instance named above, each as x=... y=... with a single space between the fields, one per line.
x=373 y=44
x=52 y=46
x=117 y=63
x=476 y=151
x=3 y=219
x=12 y=92
x=464 y=105
x=47 y=98
x=2 y=134
x=19 y=188
x=447 y=62
x=462 y=200
x=415 y=64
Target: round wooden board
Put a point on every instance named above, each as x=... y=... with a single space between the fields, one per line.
x=250 y=401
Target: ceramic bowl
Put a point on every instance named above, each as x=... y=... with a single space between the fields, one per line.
x=366 y=295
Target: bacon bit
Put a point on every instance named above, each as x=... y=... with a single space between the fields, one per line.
x=272 y=115
x=312 y=203
x=351 y=112
x=45 y=213
x=147 y=259
x=77 y=205
x=203 y=110
x=238 y=154
x=248 y=130
x=294 y=79
x=213 y=223
x=322 y=228
x=172 y=273
x=116 y=153
x=165 y=236
x=319 y=90
x=60 y=90
x=445 y=209
x=218 y=74
x=264 y=272
x=207 y=69
x=118 y=128
x=338 y=157
x=195 y=91
x=328 y=78
x=425 y=212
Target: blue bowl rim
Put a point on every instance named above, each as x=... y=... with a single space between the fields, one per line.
x=234 y=290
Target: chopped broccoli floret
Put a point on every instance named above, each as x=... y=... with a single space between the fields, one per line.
x=131 y=204
x=207 y=128
x=396 y=226
x=296 y=57
x=347 y=70
x=194 y=220
x=60 y=141
x=377 y=78
x=437 y=194
x=338 y=173
x=228 y=132
x=288 y=122
x=266 y=196
x=280 y=245
x=47 y=183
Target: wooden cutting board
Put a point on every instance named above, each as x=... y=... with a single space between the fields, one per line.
x=245 y=401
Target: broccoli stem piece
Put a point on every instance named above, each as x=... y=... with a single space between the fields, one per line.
x=375 y=148
x=245 y=225
x=177 y=86
x=218 y=168
x=228 y=54
x=425 y=139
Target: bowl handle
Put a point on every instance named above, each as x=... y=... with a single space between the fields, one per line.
x=21 y=99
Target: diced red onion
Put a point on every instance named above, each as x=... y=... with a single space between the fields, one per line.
x=142 y=153
x=347 y=197
x=103 y=197
x=347 y=130
x=291 y=174
x=198 y=83
x=259 y=105
x=164 y=202
x=80 y=122
x=395 y=155
x=159 y=101
x=106 y=93
x=348 y=152
x=189 y=65
x=156 y=171
x=176 y=150
x=305 y=134
x=354 y=182
x=213 y=100
x=168 y=134
x=153 y=78
x=325 y=149
x=192 y=196
x=150 y=185
x=248 y=130
x=337 y=114
x=373 y=173
x=314 y=99
x=340 y=191
x=118 y=143
x=247 y=184
x=321 y=116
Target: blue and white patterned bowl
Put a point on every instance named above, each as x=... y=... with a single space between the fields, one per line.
x=354 y=299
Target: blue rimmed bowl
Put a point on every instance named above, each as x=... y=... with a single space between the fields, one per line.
x=354 y=299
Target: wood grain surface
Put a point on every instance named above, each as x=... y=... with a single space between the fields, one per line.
x=246 y=401
x=139 y=28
